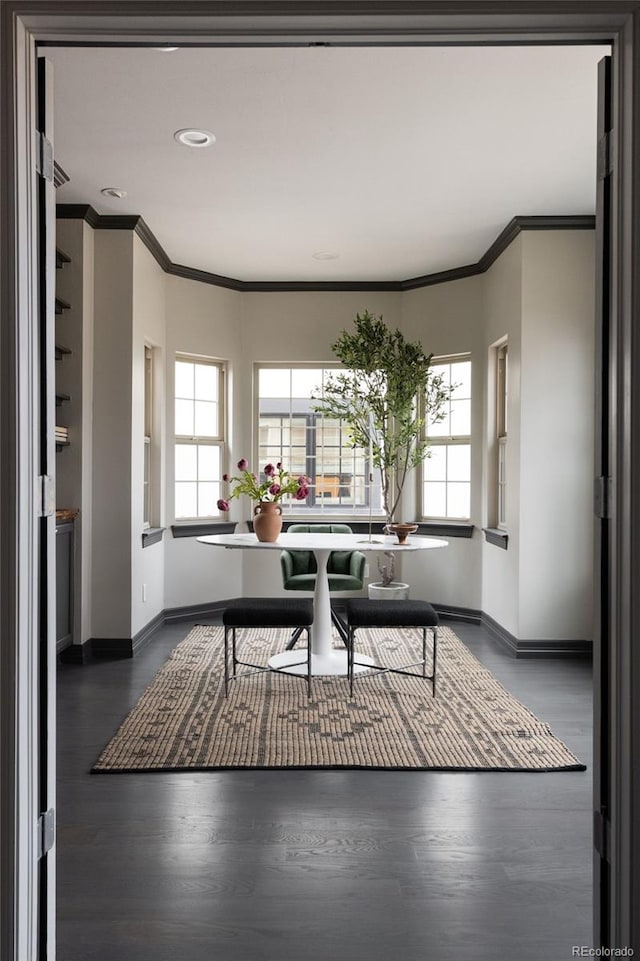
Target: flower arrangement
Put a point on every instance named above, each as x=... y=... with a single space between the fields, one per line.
x=277 y=483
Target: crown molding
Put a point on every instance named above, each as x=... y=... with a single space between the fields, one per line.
x=138 y=225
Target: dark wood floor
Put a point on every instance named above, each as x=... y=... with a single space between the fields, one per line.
x=321 y=865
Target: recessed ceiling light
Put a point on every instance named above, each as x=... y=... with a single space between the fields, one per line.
x=192 y=137
x=166 y=49
x=325 y=255
x=116 y=192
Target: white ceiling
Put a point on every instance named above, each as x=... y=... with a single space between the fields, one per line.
x=403 y=161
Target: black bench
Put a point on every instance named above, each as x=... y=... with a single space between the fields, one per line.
x=369 y=613
x=264 y=612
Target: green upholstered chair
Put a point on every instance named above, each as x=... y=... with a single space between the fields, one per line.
x=345 y=569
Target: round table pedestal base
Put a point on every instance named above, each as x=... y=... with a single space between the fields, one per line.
x=334 y=663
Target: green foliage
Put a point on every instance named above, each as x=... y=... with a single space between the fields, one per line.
x=385 y=395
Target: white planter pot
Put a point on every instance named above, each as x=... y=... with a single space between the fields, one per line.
x=395 y=591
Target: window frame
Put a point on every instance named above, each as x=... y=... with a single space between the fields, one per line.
x=447 y=441
x=148 y=438
x=218 y=440
x=501 y=431
x=316 y=512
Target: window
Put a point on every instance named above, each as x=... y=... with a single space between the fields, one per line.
x=446 y=472
x=199 y=436
x=502 y=387
x=290 y=431
x=148 y=435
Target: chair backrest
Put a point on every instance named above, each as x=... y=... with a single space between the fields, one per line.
x=303 y=562
x=319 y=529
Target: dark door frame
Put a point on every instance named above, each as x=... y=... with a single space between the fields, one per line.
x=207 y=22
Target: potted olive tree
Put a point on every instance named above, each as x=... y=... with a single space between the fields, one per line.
x=385 y=395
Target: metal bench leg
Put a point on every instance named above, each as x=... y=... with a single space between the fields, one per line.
x=308 y=662
x=295 y=637
x=424 y=652
x=226 y=662
x=435 y=651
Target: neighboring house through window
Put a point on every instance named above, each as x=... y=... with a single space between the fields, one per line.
x=446 y=472
x=199 y=436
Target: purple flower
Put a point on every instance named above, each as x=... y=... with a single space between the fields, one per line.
x=243 y=464
x=225 y=477
x=223 y=505
x=279 y=465
x=275 y=489
x=304 y=481
x=269 y=470
x=302 y=493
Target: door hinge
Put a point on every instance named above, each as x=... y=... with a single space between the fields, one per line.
x=605 y=157
x=602 y=497
x=44 y=157
x=46 y=496
x=602 y=833
x=46 y=831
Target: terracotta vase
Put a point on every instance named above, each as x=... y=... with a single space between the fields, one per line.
x=267 y=521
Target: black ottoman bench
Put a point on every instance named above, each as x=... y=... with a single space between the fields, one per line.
x=264 y=612
x=365 y=613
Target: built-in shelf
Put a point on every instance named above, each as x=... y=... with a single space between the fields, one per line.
x=62 y=258
x=61 y=305
x=62 y=399
x=61 y=350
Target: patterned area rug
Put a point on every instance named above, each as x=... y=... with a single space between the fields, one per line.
x=183 y=722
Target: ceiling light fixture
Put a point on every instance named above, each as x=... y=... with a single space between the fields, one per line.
x=192 y=137
x=166 y=49
x=325 y=255
x=115 y=192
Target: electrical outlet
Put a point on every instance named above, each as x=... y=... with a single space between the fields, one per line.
x=366 y=570
x=144 y=593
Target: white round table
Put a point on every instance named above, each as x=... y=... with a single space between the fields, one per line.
x=325 y=659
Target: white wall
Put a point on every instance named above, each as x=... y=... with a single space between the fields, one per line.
x=557 y=435
x=294 y=327
x=202 y=319
x=112 y=433
x=148 y=327
x=503 y=316
x=449 y=319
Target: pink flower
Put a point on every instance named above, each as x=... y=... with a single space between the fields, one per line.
x=275 y=489
x=225 y=477
x=304 y=481
x=243 y=464
x=279 y=465
x=223 y=505
x=302 y=493
x=269 y=470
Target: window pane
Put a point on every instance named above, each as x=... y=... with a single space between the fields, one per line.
x=274 y=382
x=461 y=377
x=460 y=418
x=435 y=498
x=439 y=430
x=184 y=379
x=435 y=466
x=459 y=501
x=184 y=418
x=206 y=382
x=186 y=500
x=208 y=494
x=206 y=419
x=208 y=463
x=186 y=462
x=459 y=462
x=305 y=381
